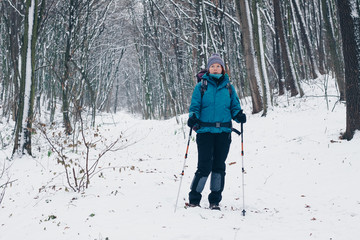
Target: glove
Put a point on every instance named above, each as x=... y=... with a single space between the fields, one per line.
x=241 y=117
x=192 y=121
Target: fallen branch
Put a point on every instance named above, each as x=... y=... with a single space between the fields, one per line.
x=3 y=186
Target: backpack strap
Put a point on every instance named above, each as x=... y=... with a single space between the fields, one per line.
x=204 y=85
x=228 y=86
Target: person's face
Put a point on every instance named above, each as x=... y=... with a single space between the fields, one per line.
x=215 y=69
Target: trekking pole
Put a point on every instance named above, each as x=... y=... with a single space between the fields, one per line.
x=183 y=170
x=243 y=170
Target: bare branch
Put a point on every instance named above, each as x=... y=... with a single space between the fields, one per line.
x=10 y=3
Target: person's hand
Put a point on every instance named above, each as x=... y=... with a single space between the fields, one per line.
x=192 y=121
x=241 y=117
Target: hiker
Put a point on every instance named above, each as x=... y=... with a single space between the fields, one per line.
x=213 y=104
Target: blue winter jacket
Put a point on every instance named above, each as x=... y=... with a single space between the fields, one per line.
x=216 y=105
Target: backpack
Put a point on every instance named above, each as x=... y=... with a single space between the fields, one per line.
x=204 y=83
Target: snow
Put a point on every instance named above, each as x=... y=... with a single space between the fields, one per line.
x=354 y=9
x=301 y=181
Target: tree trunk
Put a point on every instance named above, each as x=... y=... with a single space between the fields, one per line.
x=252 y=68
x=202 y=32
x=350 y=32
x=65 y=81
x=298 y=42
x=27 y=85
x=321 y=50
x=335 y=54
x=290 y=78
x=305 y=38
x=12 y=23
x=170 y=103
x=277 y=59
x=266 y=95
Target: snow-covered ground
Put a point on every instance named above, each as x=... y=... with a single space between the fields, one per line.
x=301 y=182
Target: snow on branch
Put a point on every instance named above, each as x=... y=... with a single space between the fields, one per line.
x=222 y=11
x=10 y=3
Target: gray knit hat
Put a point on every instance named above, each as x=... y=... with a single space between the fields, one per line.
x=215 y=58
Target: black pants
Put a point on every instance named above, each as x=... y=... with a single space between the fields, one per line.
x=213 y=149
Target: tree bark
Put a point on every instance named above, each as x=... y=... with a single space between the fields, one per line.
x=305 y=38
x=335 y=54
x=350 y=32
x=290 y=78
x=27 y=85
x=12 y=22
x=250 y=56
x=277 y=59
x=65 y=81
x=260 y=53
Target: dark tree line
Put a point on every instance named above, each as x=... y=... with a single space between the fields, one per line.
x=142 y=55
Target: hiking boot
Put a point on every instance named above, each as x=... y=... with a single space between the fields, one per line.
x=214 y=206
x=192 y=205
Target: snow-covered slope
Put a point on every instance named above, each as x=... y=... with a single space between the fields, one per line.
x=301 y=182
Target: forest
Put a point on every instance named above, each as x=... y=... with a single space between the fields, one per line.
x=82 y=57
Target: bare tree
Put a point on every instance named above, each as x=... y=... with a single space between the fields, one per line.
x=252 y=67
x=333 y=47
x=306 y=40
x=290 y=76
x=27 y=81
